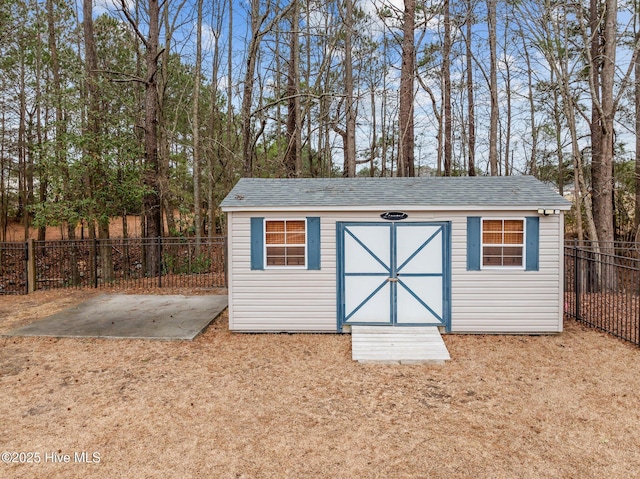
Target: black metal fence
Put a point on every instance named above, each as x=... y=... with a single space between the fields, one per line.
x=13 y=268
x=602 y=288
x=130 y=262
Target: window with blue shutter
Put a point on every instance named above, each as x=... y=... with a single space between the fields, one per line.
x=285 y=243
x=502 y=243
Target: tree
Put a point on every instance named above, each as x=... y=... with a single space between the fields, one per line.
x=195 y=121
x=152 y=201
x=406 y=159
x=293 y=154
x=493 y=87
x=260 y=26
x=471 y=114
x=446 y=93
x=637 y=132
x=349 y=139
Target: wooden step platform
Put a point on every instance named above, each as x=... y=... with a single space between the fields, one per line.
x=398 y=344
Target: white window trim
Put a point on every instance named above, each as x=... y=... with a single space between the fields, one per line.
x=306 y=240
x=524 y=243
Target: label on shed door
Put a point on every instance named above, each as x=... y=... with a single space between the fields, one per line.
x=393 y=273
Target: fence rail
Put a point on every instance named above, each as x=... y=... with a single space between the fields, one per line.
x=129 y=262
x=602 y=289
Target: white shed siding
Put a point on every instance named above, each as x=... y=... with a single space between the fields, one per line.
x=507 y=300
x=281 y=299
x=481 y=301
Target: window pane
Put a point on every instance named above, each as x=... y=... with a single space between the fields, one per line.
x=295 y=226
x=275 y=238
x=295 y=238
x=275 y=261
x=276 y=251
x=493 y=251
x=513 y=251
x=492 y=225
x=295 y=261
x=512 y=261
x=295 y=256
x=513 y=225
x=295 y=251
x=513 y=238
x=275 y=226
x=492 y=261
x=276 y=256
x=491 y=238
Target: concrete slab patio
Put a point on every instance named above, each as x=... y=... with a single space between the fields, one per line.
x=131 y=316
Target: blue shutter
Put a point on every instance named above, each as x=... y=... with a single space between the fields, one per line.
x=473 y=243
x=257 y=245
x=313 y=242
x=532 y=248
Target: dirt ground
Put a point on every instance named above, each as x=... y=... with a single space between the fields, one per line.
x=294 y=406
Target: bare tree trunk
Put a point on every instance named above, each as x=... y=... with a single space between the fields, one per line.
x=507 y=73
x=38 y=166
x=22 y=151
x=383 y=126
x=637 y=125
x=292 y=156
x=446 y=93
x=471 y=168
x=152 y=201
x=197 y=200
x=406 y=159
x=95 y=172
x=230 y=114
x=602 y=56
x=532 y=110
x=493 y=87
x=4 y=206
x=374 y=136
x=596 y=117
x=215 y=133
x=603 y=187
x=558 y=134
x=350 y=124
x=247 y=98
x=307 y=80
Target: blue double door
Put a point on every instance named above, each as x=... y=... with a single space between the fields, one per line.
x=394 y=274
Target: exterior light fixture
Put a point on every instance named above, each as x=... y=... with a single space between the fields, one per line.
x=548 y=212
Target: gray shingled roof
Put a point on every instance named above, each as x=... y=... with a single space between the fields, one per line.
x=479 y=191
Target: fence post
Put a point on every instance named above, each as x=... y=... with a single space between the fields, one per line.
x=225 y=261
x=31 y=266
x=576 y=278
x=159 y=261
x=95 y=262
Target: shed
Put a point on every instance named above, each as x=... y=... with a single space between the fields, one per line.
x=466 y=254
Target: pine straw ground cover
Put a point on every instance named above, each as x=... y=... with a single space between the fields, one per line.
x=259 y=406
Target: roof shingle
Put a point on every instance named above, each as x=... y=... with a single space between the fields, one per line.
x=479 y=191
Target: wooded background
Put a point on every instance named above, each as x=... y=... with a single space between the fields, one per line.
x=145 y=107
